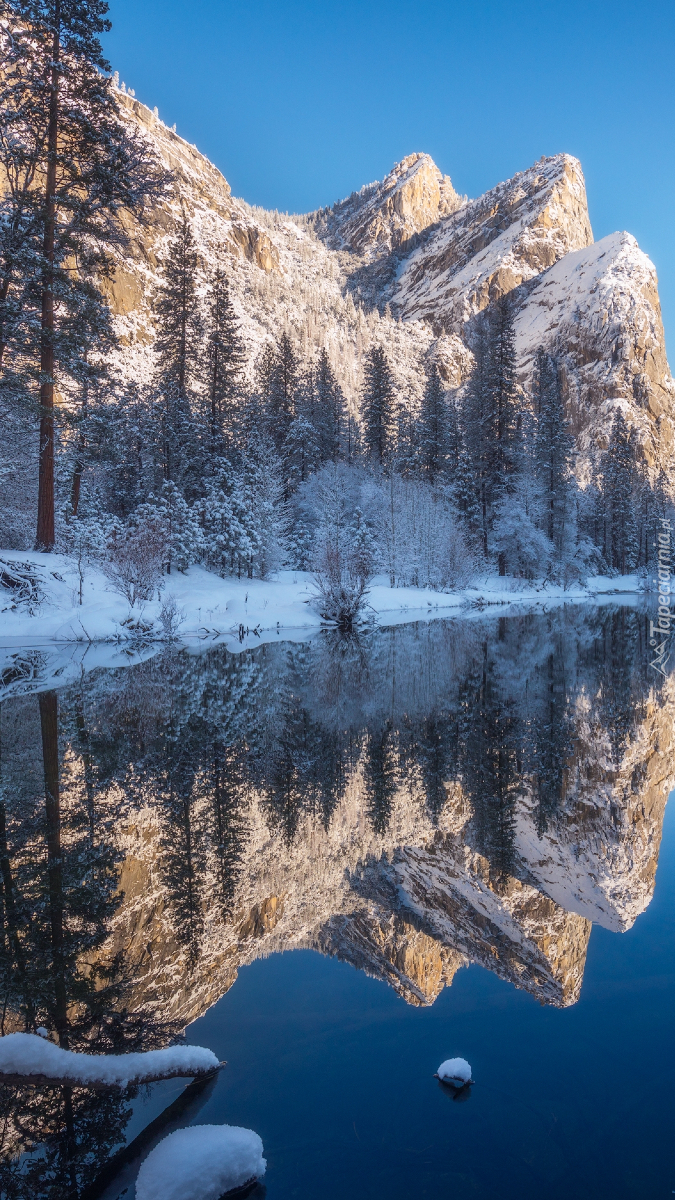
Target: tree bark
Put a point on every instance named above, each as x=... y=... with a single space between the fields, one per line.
x=50 y=758
x=45 y=519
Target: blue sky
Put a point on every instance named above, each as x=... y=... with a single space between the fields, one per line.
x=300 y=102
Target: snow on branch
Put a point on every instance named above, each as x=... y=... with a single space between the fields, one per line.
x=22 y=582
x=25 y=1057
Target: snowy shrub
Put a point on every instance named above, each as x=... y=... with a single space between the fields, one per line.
x=583 y=559
x=84 y=539
x=526 y=550
x=341 y=578
x=171 y=617
x=135 y=558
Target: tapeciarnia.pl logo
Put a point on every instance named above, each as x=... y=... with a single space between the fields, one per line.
x=659 y=631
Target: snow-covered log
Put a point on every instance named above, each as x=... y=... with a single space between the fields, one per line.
x=27 y=1058
x=203 y=1162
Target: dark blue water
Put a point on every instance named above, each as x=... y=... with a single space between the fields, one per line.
x=335 y=1073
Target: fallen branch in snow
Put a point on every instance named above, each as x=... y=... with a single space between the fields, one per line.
x=22 y=581
x=27 y=1058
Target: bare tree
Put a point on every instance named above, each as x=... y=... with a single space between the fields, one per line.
x=341 y=577
x=135 y=560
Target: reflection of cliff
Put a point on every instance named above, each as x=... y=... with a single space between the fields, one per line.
x=409 y=906
x=432 y=796
x=601 y=858
x=531 y=840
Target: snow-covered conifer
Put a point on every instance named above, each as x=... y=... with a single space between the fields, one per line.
x=224 y=356
x=377 y=407
x=278 y=372
x=553 y=449
x=329 y=415
x=620 y=484
x=432 y=430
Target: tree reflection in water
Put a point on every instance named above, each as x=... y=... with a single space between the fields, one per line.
x=438 y=742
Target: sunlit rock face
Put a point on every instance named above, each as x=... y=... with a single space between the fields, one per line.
x=598 y=312
x=493 y=244
x=408 y=263
x=384 y=216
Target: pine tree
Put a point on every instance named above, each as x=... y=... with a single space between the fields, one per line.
x=504 y=397
x=330 y=410
x=278 y=371
x=377 y=407
x=432 y=429
x=491 y=426
x=553 y=448
x=301 y=451
x=476 y=480
x=264 y=511
x=71 y=167
x=620 y=482
x=224 y=355
x=178 y=345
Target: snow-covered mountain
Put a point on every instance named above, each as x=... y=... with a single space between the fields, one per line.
x=408 y=263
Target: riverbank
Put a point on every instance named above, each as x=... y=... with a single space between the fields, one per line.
x=241 y=611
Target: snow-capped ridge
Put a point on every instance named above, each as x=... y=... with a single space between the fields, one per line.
x=384 y=216
x=492 y=244
x=597 y=310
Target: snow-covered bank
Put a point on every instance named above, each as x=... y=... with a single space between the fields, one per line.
x=203 y=1162
x=239 y=611
x=27 y=1054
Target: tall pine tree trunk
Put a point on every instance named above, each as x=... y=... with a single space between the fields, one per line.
x=50 y=756
x=45 y=521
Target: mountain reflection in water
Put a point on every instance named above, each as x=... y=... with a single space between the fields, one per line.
x=411 y=800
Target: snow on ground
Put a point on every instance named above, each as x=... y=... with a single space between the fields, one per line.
x=29 y=1054
x=241 y=612
x=201 y=1162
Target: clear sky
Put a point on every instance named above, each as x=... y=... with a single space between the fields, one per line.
x=298 y=102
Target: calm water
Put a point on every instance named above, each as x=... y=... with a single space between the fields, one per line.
x=336 y=864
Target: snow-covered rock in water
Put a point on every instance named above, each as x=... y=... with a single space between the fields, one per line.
x=30 y=1055
x=203 y=1162
x=455 y=1071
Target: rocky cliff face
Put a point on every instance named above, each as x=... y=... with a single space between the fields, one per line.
x=408 y=263
x=493 y=244
x=386 y=216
